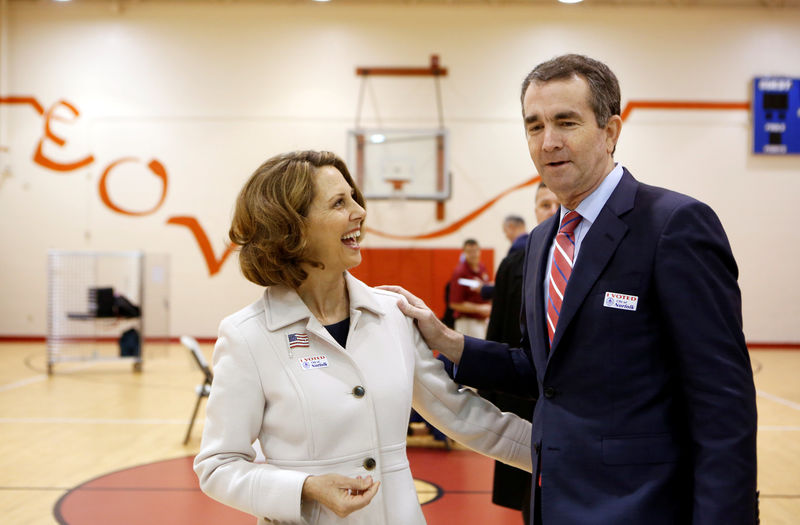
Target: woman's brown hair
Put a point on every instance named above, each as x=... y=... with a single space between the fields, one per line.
x=269 y=221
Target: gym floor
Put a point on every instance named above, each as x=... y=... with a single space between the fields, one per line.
x=96 y=443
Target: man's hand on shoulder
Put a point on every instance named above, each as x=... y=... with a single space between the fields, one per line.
x=436 y=334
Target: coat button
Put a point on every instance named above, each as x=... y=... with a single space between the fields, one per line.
x=536 y=448
x=369 y=463
x=549 y=392
x=359 y=391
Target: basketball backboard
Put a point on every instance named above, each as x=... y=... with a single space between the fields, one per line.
x=400 y=163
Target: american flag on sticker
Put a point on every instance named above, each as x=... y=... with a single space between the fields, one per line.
x=298 y=340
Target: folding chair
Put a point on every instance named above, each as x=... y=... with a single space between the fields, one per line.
x=202 y=390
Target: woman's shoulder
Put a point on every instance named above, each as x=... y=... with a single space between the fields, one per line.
x=387 y=301
x=386 y=296
x=250 y=313
x=382 y=301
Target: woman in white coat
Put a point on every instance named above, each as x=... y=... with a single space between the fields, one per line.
x=323 y=370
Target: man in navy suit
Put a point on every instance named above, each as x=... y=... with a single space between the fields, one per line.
x=646 y=412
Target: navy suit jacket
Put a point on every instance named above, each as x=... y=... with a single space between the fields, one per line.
x=644 y=416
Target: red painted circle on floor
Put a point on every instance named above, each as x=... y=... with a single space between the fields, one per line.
x=168 y=492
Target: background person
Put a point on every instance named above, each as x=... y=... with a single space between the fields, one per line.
x=470 y=310
x=515 y=231
x=646 y=409
x=324 y=370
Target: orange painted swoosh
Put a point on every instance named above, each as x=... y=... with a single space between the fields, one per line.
x=680 y=104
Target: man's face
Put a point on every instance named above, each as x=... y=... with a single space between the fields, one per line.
x=472 y=254
x=570 y=151
x=510 y=230
x=546 y=204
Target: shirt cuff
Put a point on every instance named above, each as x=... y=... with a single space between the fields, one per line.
x=280 y=499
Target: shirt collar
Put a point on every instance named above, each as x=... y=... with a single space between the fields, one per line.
x=284 y=307
x=589 y=208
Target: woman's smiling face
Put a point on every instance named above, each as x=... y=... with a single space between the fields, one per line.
x=334 y=222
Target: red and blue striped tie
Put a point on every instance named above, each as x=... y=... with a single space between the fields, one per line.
x=561 y=269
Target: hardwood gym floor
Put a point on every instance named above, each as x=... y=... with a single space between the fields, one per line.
x=116 y=436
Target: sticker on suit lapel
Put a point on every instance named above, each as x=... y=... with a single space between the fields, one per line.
x=621 y=301
x=313 y=362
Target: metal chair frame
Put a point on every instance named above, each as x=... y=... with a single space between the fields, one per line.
x=202 y=390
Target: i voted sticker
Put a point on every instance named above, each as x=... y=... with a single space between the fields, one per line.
x=313 y=362
x=621 y=301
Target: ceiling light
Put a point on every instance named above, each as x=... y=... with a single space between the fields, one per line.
x=570 y=1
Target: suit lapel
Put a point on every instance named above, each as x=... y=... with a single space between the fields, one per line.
x=596 y=250
x=538 y=250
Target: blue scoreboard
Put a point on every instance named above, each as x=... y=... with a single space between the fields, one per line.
x=776 y=115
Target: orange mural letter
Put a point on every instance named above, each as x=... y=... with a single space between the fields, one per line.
x=40 y=158
x=31 y=101
x=158 y=170
x=214 y=264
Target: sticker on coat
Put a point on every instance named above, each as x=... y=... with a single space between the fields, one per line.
x=298 y=341
x=313 y=362
x=621 y=301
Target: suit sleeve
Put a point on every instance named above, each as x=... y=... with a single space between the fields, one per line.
x=499 y=367
x=234 y=413
x=464 y=415
x=487 y=365
x=696 y=281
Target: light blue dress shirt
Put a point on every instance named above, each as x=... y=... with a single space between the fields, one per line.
x=589 y=208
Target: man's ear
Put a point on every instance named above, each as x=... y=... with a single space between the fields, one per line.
x=613 y=129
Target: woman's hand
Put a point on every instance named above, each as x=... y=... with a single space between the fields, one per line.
x=341 y=494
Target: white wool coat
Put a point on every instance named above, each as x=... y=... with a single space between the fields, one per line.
x=304 y=407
